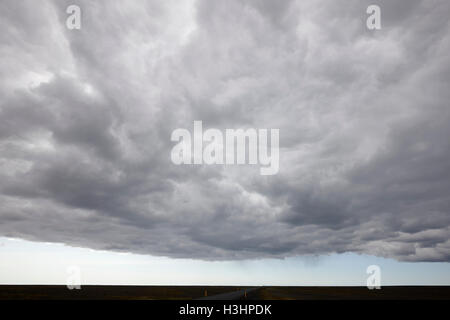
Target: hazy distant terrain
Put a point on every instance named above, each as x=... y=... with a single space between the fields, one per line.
x=8 y=292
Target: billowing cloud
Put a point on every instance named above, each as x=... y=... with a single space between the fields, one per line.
x=86 y=117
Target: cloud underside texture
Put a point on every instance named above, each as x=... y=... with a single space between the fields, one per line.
x=364 y=118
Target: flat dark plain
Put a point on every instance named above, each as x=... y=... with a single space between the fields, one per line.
x=93 y=292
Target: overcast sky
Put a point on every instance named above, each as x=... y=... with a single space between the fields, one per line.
x=86 y=118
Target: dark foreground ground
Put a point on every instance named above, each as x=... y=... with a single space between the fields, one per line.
x=196 y=292
x=352 y=293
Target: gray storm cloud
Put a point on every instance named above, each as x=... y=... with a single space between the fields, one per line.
x=364 y=117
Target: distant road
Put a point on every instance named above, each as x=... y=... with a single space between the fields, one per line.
x=233 y=295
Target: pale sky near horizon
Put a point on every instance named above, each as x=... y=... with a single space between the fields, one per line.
x=25 y=262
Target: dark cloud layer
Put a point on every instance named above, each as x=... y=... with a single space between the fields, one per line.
x=364 y=119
